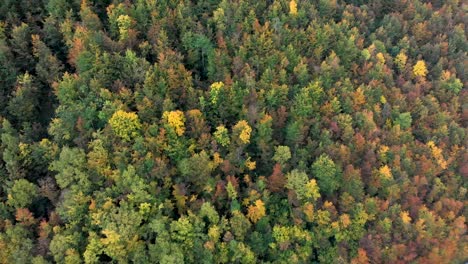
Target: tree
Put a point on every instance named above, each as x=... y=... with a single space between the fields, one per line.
x=24 y=103
x=276 y=180
x=282 y=154
x=305 y=189
x=221 y=136
x=400 y=60
x=419 y=69
x=21 y=39
x=22 y=194
x=327 y=174
x=175 y=121
x=292 y=7
x=71 y=169
x=125 y=125
x=12 y=155
x=197 y=169
x=257 y=211
x=241 y=132
x=404 y=120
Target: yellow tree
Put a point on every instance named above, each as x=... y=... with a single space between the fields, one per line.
x=243 y=130
x=400 y=60
x=419 y=69
x=175 y=120
x=125 y=124
x=293 y=7
x=257 y=211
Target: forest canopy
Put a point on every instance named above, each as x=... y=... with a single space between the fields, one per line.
x=216 y=131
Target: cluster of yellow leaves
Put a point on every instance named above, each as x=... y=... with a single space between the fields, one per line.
x=293 y=7
x=437 y=153
x=251 y=165
x=217 y=159
x=125 y=124
x=214 y=233
x=214 y=92
x=405 y=217
x=400 y=60
x=312 y=190
x=382 y=152
x=244 y=131
x=419 y=69
x=385 y=172
x=257 y=211
x=175 y=120
x=111 y=237
x=124 y=22
x=380 y=58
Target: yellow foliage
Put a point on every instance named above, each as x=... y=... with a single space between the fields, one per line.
x=108 y=204
x=380 y=58
x=383 y=100
x=385 y=172
x=312 y=190
x=323 y=217
x=244 y=130
x=111 y=237
x=217 y=159
x=419 y=69
x=175 y=120
x=437 y=153
x=251 y=165
x=214 y=92
x=124 y=22
x=257 y=211
x=400 y=60
x=293 y=7
x=125 y=124
x=405 y=217
x=214 y=233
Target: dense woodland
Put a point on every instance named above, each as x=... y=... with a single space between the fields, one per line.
x=242 y=131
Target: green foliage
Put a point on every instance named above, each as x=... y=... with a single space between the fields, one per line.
x=196 y=169
x=232 y=131
x=282 y=154
x=22 y=194
x=304 y=188
x=404 y=120
x=71 y=169
x=24 y=103
x=327 y=173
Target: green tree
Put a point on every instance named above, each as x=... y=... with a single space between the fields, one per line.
x=22 y=194
x=306 y=189
x=71 y=169
x=11 y=151
x=327 y=173
x=282 y=154
x=24 y=103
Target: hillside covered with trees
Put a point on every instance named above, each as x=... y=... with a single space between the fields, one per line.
x=233 y=131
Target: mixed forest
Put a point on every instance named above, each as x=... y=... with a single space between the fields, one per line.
x=233 y=131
